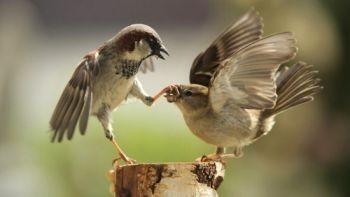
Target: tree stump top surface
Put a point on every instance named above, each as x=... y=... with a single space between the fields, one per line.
x=169 y=179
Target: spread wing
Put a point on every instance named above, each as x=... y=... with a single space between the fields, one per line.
x=248 y=78
x=246 y=30
x=147 y=65
x=74 y=103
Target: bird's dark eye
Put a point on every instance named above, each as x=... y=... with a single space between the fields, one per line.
x=188 y=93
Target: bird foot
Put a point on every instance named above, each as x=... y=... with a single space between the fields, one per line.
x=127 y=161
x=170 y=89
x=122 y=155
x=172 y=93
x=216 y=157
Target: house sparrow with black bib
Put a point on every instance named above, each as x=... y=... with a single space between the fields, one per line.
x=237 y=86
x=103 y=80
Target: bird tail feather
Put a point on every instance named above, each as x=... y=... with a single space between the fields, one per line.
x=295 y=85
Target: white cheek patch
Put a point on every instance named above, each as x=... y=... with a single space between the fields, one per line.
x=143 y=47
x=141 y=51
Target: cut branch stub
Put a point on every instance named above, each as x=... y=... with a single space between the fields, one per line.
x=169 y=179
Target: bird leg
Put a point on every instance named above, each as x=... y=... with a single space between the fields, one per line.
x=237 y=152
x=122 y=155
x=219 y=150
x=104 y=118
x=138 y=92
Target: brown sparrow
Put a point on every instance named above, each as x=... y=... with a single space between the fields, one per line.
x=103 y=80
x=236 y=89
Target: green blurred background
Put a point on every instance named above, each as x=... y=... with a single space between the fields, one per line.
x=41 y=42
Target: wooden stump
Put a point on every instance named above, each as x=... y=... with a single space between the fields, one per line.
x=169 y=179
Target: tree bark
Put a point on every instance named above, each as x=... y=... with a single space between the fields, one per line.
x=167 y=180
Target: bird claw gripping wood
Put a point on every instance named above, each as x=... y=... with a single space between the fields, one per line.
x=127 y=161
x=222 y=158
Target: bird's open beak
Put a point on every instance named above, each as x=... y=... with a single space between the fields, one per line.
x=161 y=49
